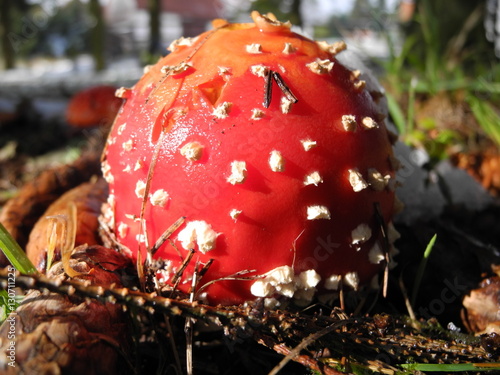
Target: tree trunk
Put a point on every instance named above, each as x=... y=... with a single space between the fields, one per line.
x=5 y=29
x=97 y=35
x=154 y=26
x=295 y=12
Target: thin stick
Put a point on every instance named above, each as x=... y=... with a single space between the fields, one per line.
x=177 y=277
x=284 y=88
x=386 y=246
x=200 y=275
x=140 y=271
x=171 y=337
x=152 y=166
x=268 y=89
x=167 y=234
x=309 y=361
x=173 y=344
x=234 y=277
x=188 y=326
x=408 y=305
x=341 y=293
x=304 y=344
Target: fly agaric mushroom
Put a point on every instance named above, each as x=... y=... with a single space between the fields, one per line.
x=274 y=152
x=93 y=106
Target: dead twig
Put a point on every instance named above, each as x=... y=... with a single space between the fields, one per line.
x=294 y=354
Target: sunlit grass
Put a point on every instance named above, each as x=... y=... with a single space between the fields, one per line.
x=458 y=367
x=421 y=269
x=486 y=116
x=431 y=66
x=16 y=256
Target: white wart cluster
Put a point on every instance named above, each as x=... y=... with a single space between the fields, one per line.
x=282 y=281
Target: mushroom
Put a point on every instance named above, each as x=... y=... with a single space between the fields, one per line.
x=93 y=106
x=269 y=153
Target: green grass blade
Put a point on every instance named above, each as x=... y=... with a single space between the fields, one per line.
x=8 y=303
x=478 y=85
x=410 y=116
x=486 y=116
x=396 y=113
x=16 y=256
x=458 y=367
x=421 y=269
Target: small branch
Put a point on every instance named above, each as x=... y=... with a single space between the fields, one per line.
x=306 y=361
x=166 y=235
x=294 y=354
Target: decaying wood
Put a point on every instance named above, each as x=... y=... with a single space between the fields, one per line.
x=20 y=213
x=64 y=333
x=87 y=198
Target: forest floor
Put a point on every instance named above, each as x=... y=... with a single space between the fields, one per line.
x=441 y=200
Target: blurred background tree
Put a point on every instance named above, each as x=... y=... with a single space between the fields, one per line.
x=97 y=35
x=154 y=27
x=10 y=11
x=37 y=29
x=5 y=29
x=450 y=32
x=66 y=33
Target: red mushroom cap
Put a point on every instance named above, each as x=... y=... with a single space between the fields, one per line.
x=93 y=106
x=284 y=185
